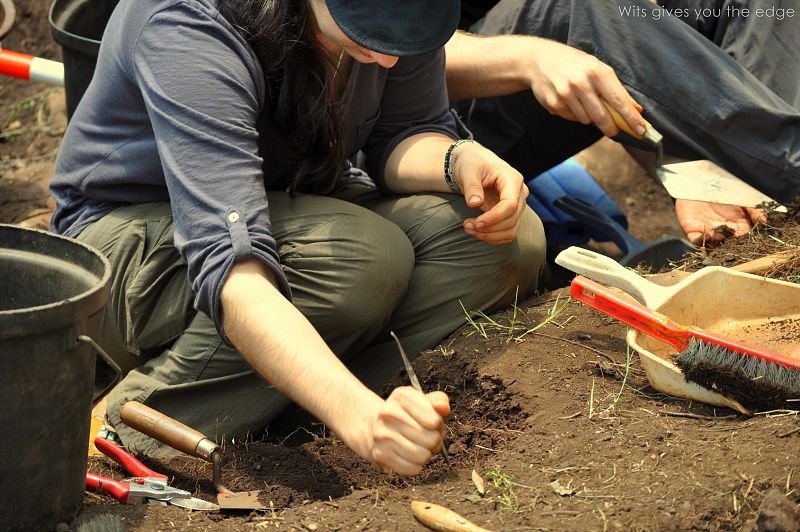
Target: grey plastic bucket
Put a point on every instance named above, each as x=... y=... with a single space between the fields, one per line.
x=78 y=25
x=50 y=286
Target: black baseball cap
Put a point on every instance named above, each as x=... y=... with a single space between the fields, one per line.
x=397 y=27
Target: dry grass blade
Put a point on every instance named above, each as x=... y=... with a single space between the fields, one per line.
x=480 y=485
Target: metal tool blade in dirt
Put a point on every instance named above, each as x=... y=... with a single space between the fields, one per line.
x=192 y=442
x=699 y=180
x=412 y=376
x=195 y=504
x=702 y=180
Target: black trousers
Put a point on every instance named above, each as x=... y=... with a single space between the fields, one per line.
x=719 y=87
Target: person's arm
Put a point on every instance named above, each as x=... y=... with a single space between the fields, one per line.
x=407 y=148
x=569 y=83
x=400 y=434
x=487 y=182
x=204 y=121
x=566 y=81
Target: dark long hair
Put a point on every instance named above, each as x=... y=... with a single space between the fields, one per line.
x=299 y=88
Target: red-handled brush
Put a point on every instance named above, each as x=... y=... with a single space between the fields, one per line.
x=756 y=377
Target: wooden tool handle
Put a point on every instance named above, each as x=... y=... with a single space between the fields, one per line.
x=440 y=518
x=622 y=124
x=166 y=430
x=606 y=270
x=765 y=263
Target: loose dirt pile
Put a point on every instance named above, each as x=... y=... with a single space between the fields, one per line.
x=560 y=423
x=557 y=417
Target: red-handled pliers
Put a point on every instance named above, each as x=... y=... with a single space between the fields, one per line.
x=146 y=486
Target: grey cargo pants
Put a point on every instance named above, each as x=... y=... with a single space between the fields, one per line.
x=721 y=88
x=356 y=271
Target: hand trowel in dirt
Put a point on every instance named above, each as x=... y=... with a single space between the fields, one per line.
x=189 y=441
x=703 y=180
x=700 y=180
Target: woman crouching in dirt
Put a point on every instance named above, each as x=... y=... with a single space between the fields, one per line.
x=210 y=161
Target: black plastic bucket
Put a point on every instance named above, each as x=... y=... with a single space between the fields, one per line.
x=78 y=26
x=50 y=286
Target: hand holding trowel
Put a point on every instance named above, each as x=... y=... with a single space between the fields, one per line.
x=189 y=441
x=699 y=180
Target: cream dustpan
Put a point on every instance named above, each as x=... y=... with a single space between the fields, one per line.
x=738 y=305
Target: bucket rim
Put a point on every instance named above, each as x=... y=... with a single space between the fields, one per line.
x=57 y=314
x=78 y=43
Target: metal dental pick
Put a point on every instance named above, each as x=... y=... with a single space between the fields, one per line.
x=412 y=376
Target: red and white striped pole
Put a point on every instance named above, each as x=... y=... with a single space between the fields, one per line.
x=24 y=66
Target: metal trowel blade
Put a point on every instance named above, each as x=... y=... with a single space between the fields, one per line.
x=243 y=500
x=703 y=180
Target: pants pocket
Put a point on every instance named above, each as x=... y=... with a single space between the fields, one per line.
x=158 y=297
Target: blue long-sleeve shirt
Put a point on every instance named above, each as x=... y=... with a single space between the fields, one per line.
x=172 y=114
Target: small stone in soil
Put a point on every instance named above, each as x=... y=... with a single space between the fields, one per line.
x=776 y=514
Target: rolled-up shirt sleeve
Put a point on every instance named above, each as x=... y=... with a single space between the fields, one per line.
x=414 y=101
x=202 y=88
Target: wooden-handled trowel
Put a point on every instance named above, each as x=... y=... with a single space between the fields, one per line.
x=700 y=180
x=187 y=440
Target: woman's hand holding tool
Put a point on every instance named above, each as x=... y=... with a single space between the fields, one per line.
x=412 y=377
x=409 y=428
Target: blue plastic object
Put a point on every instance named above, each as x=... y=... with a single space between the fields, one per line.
x=570 y=178
x=655 y=255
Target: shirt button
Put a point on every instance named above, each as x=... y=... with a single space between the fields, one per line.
x=233 y=217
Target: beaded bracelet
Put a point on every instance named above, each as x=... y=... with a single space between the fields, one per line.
x=448 y=165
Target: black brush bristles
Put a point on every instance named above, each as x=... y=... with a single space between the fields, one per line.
x=758 y=385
